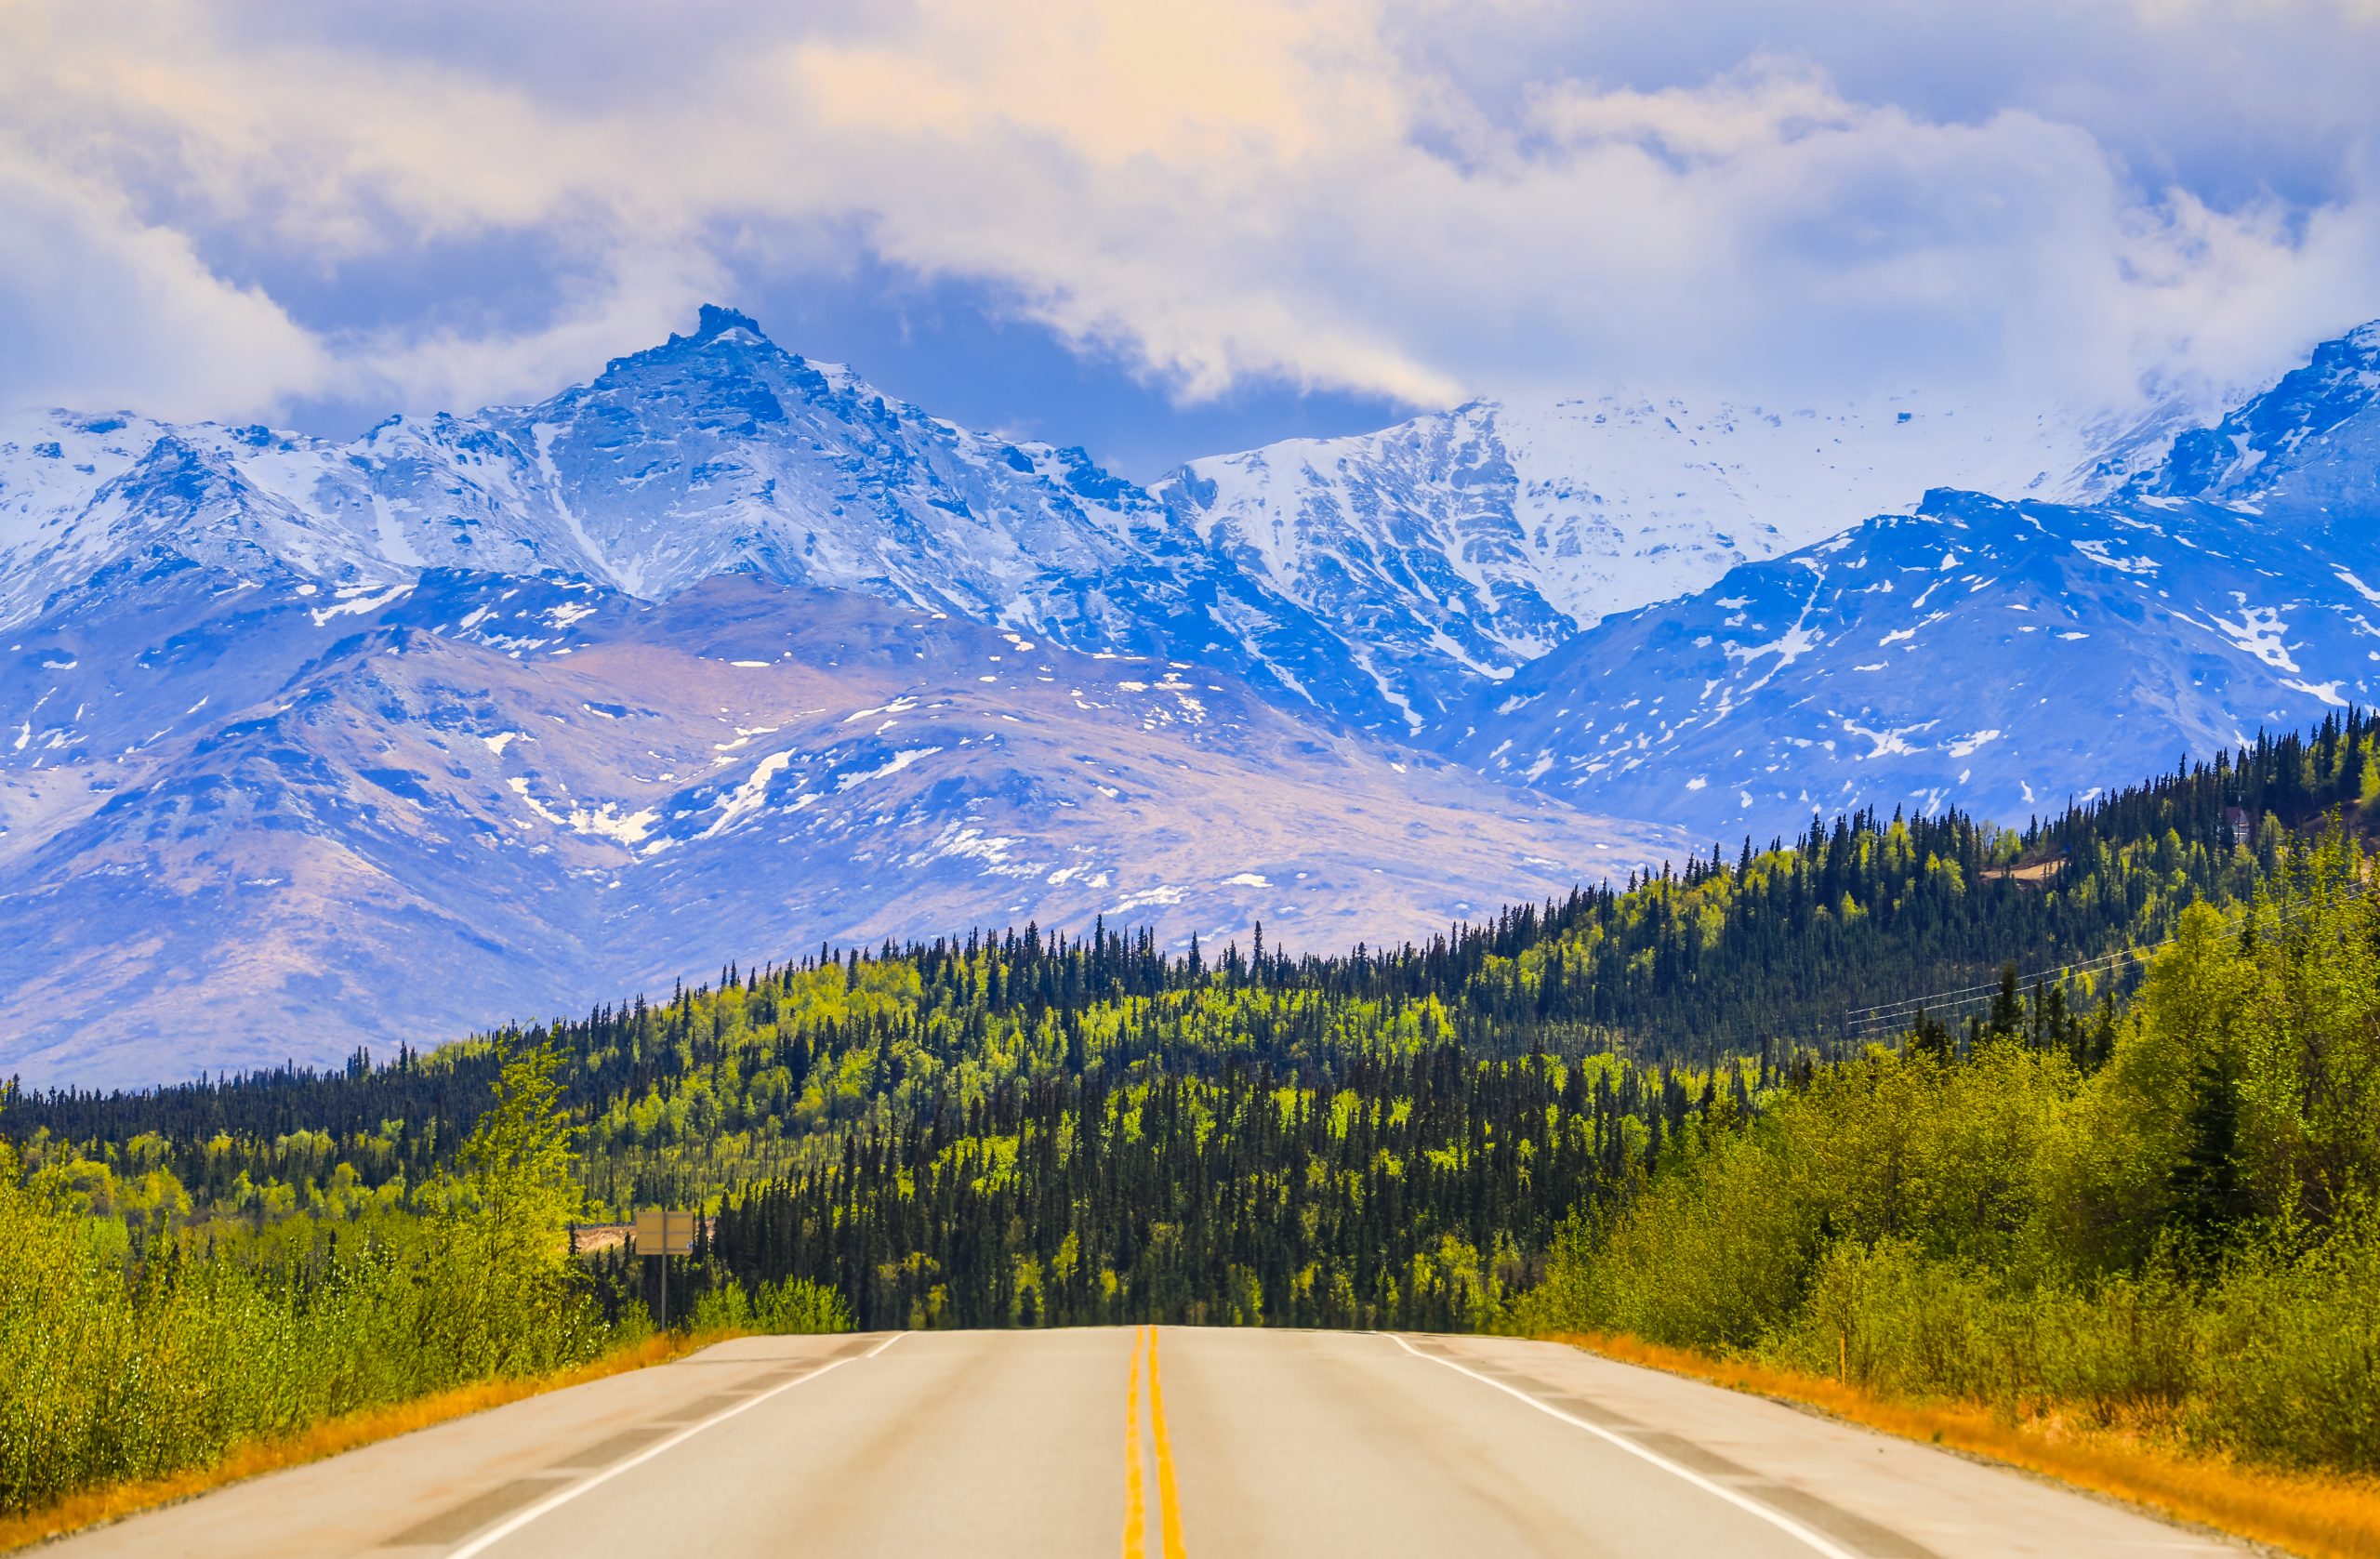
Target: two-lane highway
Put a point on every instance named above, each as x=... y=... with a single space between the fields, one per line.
x=1144 y=1441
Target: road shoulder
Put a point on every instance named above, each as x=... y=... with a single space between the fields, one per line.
x=2327 y=1517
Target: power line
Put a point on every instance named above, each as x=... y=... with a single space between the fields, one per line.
x=1866 y=1023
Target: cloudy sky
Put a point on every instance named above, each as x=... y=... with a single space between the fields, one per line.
x=1163 y=230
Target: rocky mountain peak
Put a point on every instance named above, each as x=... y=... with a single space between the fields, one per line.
x=714 y=320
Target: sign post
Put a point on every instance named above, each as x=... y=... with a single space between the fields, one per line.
x=661 y=1234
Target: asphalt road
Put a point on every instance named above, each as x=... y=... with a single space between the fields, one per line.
x=1157 y=1443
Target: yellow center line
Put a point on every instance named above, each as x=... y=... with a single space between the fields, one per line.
x=1169 y=1498
x=1135 y=1520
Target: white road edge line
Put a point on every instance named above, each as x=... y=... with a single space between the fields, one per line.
x=552 y=1502
x=1777 y=1519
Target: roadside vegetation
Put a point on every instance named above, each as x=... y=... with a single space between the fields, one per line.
x=2183 y=1237
x=141 y=1337
x=136 y=1341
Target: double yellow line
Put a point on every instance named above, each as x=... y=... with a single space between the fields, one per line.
x=1169 y=1500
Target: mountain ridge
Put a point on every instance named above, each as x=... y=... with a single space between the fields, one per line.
x=1427 y=559
x=1894 y=664
x=709 y=452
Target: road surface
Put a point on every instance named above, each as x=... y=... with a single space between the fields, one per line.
x=1152 y=1443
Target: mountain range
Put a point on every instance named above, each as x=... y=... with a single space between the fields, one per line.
x=2002 y=655
x=726 y=652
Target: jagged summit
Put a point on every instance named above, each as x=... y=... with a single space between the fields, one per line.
x=715 y=320
x=724 y=340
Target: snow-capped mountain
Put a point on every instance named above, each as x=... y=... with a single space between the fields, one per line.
x=2309 y=448
x=717 y=452
x=1491 y=534
x=711 y=452
x=244 y=813
x=1376 y=579
x=1996 y=654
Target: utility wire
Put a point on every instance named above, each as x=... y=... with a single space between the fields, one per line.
x=1862 y=1022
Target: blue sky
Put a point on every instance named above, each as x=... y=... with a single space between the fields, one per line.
x=1164 y=231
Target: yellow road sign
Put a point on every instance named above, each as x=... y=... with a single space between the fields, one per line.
x=662 y=1232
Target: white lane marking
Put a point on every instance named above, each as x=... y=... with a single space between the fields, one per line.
x=1777 y=1519
x=552 y=1502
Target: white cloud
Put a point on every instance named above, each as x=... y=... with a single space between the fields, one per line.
x=644 y=291
x=100 y=310
x=1414 y=200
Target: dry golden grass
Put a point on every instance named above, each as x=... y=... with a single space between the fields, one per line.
x=91 y=1507
x=2322 y=1517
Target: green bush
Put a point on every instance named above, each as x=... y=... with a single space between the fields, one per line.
x=722 y=1307
x=2292 y=1352
x=121 y=1365
x=796 y=1307
x=799 y=1307
x=2183 y=1235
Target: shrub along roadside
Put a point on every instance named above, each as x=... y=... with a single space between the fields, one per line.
x=796 y=1307
x=2181 y=1242
x=138 y=1363
x=99 y=1503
